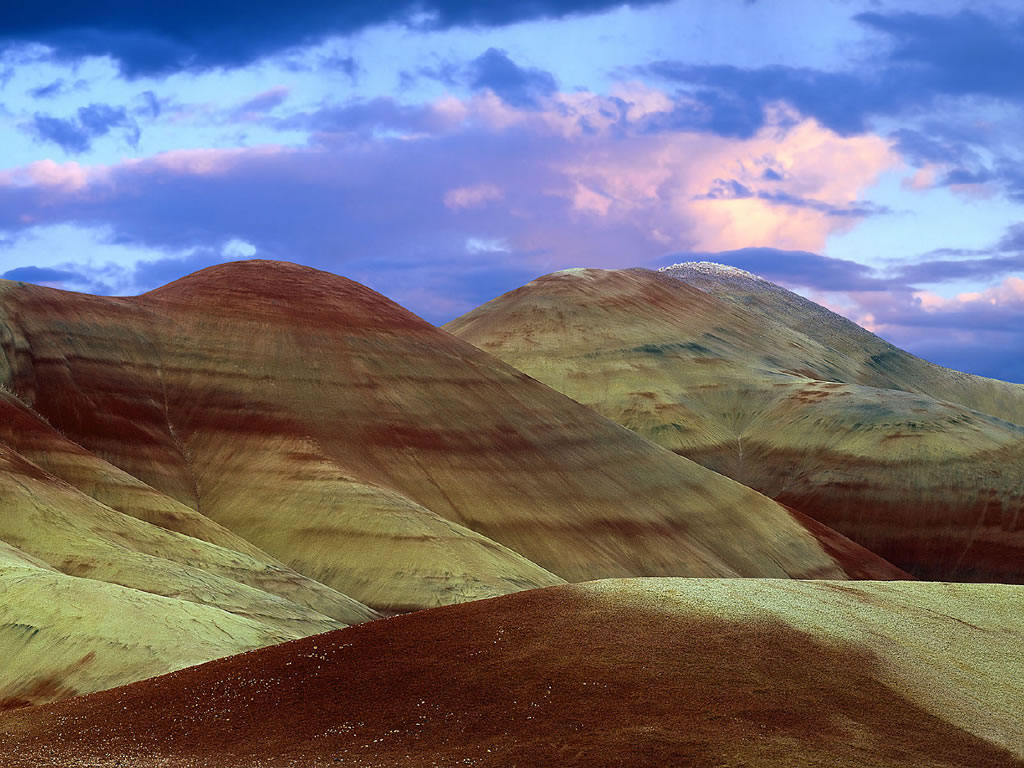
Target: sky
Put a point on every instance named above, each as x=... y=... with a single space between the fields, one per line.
x=865 y=154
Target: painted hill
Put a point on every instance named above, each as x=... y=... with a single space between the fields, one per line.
x=61 y=636
x=855 y=355
x=642 y=672
x=372 y=452
x=92 y=597
x=918 y=463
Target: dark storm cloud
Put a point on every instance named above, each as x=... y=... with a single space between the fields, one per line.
x=1011 y=174
x=160 y=38
x=98 y=119
x=515 y=85
x=964 y=176
x=75 y=135
x=969 y=316
x=923 y=57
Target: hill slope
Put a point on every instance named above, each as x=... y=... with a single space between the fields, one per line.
x=61 y=636
x=373 y=453
x=91 y=597
x=780 y=394
x=644 y=672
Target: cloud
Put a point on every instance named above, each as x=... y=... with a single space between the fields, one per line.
x=960 y=54
x=152 y=104
x=730 y=189
x=979 y=332
x=262 y=103
x=72 y=137
x=579 y=179
x=732 y=101
x=797 y=268
x=161 y=38
x=381 y=114
x=67 y=277
x=936 y=73
x=75 y=135
x=470 y=197
x=918 y=58
x=515 y=85
x=47 y=91
x=347 y=65
x=41 y=275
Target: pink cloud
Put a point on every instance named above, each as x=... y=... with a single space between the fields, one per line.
x=47 y=173
x=923 y=178
x=584 y=178
x=662 y=177
x=473 y=196
x=1008 y=293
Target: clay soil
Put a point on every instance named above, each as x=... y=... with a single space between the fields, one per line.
x=554 y=677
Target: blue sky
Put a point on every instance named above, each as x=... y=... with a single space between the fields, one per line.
x=866 y=154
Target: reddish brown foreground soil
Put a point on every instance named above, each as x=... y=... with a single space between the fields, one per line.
x=857 y=561
x=552 y=677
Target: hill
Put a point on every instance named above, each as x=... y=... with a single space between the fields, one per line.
x=642 y=672
x=788 y=398
x=92 y=597
x=372 y=452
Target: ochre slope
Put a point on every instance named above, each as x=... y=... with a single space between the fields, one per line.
x=61 y=636
x=643 y=672
x=76 y=535
x=91 y=597
x=358 y=444
x=790 y=406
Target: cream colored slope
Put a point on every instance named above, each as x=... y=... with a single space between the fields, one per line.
x=62 y=636
x=264 y=394
x=378 y=545
x=954 y=649
x=77 y=535
x=12 y=556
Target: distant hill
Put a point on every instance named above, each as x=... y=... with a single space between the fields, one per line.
x=918 y=463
